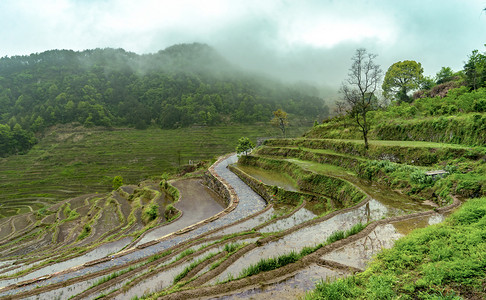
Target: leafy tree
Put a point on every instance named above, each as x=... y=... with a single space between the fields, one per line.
x=244 y=146
x=280 y=120
x=475 y=70
x=401 y=78
x=445 y=74
x=359 y=88
x=117 y=182
x=180 y=86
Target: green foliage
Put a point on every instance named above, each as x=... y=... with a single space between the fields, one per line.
x=117 y=182
x=151 y=212
x=231 y=247
x=189 y=268
x=475 y=70
x=419 y=177
x=338 y=290
x=85 y=232
x=244 y=146
x=332 y=187
x=270 y=264
x=170 y=211
x=445 y=74
x=185 y=253
x=15 y=140
x=401 y=78
x=280 y=119
x=180 y=86
x=335 y=236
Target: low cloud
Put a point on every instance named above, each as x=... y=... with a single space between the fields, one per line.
x=310 y=41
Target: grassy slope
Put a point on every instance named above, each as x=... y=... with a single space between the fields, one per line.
x=443 y=261
x=70 y=162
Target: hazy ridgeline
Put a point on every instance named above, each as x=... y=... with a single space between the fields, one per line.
x=177 y=87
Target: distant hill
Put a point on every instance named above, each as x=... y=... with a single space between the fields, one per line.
x=180 y=86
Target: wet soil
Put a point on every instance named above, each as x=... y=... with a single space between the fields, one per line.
x=197 y=203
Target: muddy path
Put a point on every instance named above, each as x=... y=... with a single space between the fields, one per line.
x=197 y=203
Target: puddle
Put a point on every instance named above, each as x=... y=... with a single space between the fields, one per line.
x=65 y=292
x=97 y=253
x=300 y=216
x=246 y=225
x=358 y=253
x=270 y=177
x=405 y=227
x=290 y=288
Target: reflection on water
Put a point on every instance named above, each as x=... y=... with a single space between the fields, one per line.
x=290 y=288
x=307 y=236
x=405 y=227
x=358 y=253
x=270 y=177
x=299 y=217
x=96 y=253
x=246 y=225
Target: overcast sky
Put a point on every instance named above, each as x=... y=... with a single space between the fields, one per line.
x=298 y=40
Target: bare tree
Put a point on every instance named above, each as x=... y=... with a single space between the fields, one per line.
x=359 y=88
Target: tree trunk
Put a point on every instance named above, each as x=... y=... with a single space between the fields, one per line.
x=365 y=136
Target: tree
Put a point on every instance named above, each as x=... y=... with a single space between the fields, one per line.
x=475 y=70
x=359 y=88
x=244 y=146
x=401 y=78
x=445 y=74
x=117 y=182
x=280 y=120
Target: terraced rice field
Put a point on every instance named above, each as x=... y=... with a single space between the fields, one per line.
x=70 y=162
x=277 y=242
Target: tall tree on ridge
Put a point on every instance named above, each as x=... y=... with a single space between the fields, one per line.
x=359 y=88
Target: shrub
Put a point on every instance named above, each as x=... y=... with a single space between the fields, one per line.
x=169 y=212
x=117 y=182
x=419 y=177
x=152 y=212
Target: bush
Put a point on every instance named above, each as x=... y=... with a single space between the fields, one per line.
x=152 y=212
x=419 y=177
x=170 y=211
x=117 y=182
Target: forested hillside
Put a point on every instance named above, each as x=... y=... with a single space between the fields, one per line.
x=180 y=86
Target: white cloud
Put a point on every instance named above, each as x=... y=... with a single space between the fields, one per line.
x=309 y=39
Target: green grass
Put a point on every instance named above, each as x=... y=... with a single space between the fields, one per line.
x=68 y=162
x=419 y=144
x=189 y=268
